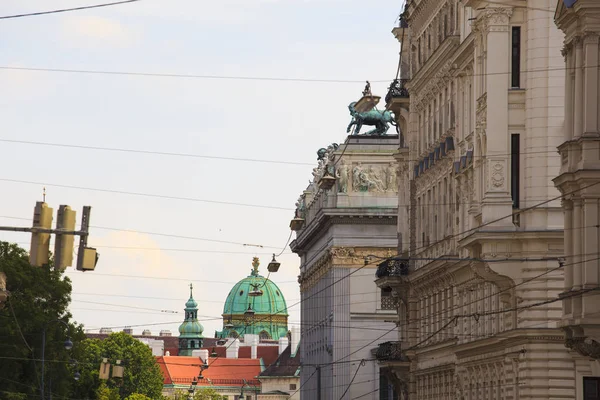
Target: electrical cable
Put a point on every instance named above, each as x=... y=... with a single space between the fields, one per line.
x=252 y=78
x=362 y=363
x=475 y=156
x=151 y=152
x=68 y=9
x=188 y=76
x=140 y=194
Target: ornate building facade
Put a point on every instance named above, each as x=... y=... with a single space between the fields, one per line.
x=339 y=229
x=479 y=222
x=579 y=181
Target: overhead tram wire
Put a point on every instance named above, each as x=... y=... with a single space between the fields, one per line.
x=255 y=78
x=190 y=155
x=63 y=10
x=140 y=194
x=151 y=152
x=188 y=76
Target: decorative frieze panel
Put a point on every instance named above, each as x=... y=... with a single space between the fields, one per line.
x=497 y=175
x=374 y=178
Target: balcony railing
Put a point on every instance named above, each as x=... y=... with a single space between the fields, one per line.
x=397 y=90
x=392 y=268
x=390 y=351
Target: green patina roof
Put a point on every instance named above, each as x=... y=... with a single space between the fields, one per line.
x=191 y=328
x=271 y=302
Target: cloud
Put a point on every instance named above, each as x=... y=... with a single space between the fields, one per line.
x=89 y=30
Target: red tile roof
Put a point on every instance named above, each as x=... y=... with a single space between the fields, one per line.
x=222 y=371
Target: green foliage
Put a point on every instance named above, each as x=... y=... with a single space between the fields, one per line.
x=137 y=396
x=105 y=393
x=38 y=296
x=199 y=394
x=142 y=375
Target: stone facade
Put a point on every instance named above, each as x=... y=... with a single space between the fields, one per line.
x=579 y=181
x=343 y=314
x=485 y=116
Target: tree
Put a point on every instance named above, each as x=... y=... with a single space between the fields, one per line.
x=137 y=396
x=38 y=296
x=199 y=394
x=142 y=375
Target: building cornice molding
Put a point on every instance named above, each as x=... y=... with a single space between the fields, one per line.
x=326 y=217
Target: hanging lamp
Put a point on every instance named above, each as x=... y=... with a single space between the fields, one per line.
x=273 y=265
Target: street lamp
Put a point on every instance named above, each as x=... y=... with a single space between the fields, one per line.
x=68 y=346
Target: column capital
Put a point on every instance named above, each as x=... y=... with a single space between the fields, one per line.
x=591 y=38
x=493 y=16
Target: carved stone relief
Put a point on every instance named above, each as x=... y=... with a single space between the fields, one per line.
x=496 y=175
x=374 y=178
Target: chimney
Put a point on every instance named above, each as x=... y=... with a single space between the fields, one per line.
x=295 y=338
x=165 y=332
x=202 y=353
x=146 y=332
x=283 y=344
x=252 y=341
x=128 y=330
x=233 y=348
x=168 y=353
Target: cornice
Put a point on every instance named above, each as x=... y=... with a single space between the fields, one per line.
x=326 y=217
x=507 y=339
x=510 y=235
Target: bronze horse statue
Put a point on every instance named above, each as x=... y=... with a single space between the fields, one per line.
x=379 y=119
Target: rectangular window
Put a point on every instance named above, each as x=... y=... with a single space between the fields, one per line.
x=292 y=386
x=516 y=57
x=515 y=155
x=591 y=388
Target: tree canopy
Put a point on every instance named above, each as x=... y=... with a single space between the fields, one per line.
x=199 y=394
x=142 y=375
x=39 y=296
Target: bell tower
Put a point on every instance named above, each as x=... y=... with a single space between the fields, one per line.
x=190 y=331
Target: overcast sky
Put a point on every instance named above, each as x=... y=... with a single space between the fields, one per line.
x=252 y=119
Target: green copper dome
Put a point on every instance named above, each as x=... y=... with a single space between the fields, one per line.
x=270 y=310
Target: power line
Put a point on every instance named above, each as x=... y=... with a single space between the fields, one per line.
x=140 y=194
x=152 y=152
x=158 y=234
x=362 y=363
x=68 y=9
x=189 y=76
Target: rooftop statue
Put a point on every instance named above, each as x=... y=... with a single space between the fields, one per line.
x=379 y=119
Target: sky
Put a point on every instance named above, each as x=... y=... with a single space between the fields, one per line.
x=153 y=244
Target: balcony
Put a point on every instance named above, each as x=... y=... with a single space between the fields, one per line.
x=392 y=268
x=390 y=352
x=392 y=275
x=397 y=97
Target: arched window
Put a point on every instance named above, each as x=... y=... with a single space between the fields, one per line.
x=264 y=335
x=192 y=344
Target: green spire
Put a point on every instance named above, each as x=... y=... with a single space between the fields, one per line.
x=190 y=331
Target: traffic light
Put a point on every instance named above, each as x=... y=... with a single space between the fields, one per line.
x=63 y=246
x=87 y=258
x=40 y=242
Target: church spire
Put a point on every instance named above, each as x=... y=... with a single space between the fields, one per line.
x=190 y=331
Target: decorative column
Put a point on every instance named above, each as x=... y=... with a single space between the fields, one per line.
x=493 y=23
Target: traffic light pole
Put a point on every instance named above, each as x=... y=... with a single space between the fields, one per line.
x=43 y=230
x=63 y=252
